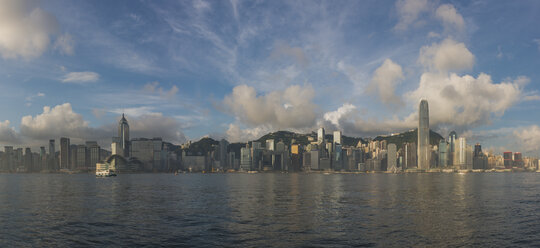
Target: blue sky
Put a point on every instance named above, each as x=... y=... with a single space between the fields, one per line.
x=239 y=69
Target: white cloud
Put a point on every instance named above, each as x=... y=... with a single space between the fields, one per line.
x=347 y=119
x=81 y=77
x=25 y=29
x=465 y=101
x=409 y=11
x=385 y=80
x=54 y=122
x=446 y=56
x=270 y=109
x=335 y=117
x=237 y=134
x=8 y=133
x=65 y=44
x=448 y=14
x=528 y=138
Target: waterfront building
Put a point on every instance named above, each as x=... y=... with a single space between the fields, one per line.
x=81 y=157
x=423 y=136
x=73 y=156
x=508 y=162
x=392 y=157
x=245 y=158
x=64 y=153
x=52 y=156
x=443 y=153
x=222 y=156
x=321 y=136
x=93 y=151
x=479 y=159
x=270 y=145
x=337 y=137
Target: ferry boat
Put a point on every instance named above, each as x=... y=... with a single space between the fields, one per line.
x=105 y=173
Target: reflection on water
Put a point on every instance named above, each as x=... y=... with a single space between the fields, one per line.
x=271 y=209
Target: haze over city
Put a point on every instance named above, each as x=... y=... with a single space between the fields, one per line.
x=238 y=70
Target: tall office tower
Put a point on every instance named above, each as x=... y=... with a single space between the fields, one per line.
x=64 y=153
x=320 y=136
x=28 y=160
x=8 y=158
x=81 y=157
x=52 y=150
x=123 y=133
x=337 y=137
x=73 y=157
x=452 y=138
x=392 y=157
x=423 y=136
x=443 y=153
x=223 y=148
x=52 y=156
x=460 y=155
x=93 y=153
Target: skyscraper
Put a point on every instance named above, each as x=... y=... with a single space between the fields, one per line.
x=64 y=153
x=52 y=155
x=423 y=136
x=337 y=137
x=320 y=136
x=123 y=133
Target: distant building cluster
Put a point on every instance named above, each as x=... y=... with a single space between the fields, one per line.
x=69 y=158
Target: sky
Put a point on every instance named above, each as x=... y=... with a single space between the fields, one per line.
x=236 y=69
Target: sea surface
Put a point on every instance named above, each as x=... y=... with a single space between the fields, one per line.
x=271 y=210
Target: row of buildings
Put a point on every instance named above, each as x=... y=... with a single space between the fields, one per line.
x=70 y=157
x=373 y=155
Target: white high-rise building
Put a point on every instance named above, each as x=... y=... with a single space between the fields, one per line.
x=337 y=137
x=320 y=136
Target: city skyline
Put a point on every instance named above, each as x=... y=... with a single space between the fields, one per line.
x=238 y=70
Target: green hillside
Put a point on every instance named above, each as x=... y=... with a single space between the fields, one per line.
x=409 y=137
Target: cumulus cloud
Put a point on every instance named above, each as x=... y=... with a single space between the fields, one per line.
x=409 y=11
x=25 y=29
x=290 y=108
x=385 y=80
x=8 y=133
x=65 y=44
x=81 y=77
x=528 y=138
x=54 y=122
x=237 y=134
x=448 y=55
x=335 y=117
x=347 y=119
x=448 y=14
x=466 y=101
